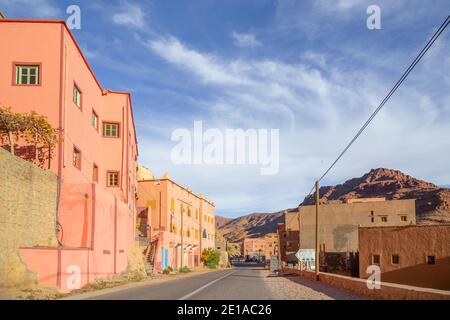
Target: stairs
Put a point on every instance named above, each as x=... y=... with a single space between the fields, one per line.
x=150 y=256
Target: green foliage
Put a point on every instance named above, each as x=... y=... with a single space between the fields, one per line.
x=184 y=270
x=32 y=128
x=211 y=257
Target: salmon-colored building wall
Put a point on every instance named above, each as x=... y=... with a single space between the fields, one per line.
x=51 y=45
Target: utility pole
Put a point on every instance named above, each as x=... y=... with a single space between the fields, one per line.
x=317 y=231
x=182 y=235
x=298 y=219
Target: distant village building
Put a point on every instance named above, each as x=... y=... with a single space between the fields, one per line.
x=178 y=223
x=411 y=255
x=260 y=248
x=289 y=239
x=339 y=222
x=338 y=229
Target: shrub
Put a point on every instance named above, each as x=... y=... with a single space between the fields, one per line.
x=184 y=270
x=211 y=257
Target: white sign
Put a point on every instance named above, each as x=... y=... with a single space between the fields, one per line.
x=307 y=258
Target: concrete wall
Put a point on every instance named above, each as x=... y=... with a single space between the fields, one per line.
x=98 y=234
x=338 y=223
x=387 y=291
x=27 y=214
x=412 y=244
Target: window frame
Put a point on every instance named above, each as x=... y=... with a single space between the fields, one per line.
x=427 y=260
x=118 y=129
x=403 y=216
x=76 y=150
x=398 y=259
x=118 y=178
x=76 y=86
x=373 y=260
x=92 y=117
x=16 y=64
x=384 y=217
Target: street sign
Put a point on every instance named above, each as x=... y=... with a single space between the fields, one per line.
x=307 y=258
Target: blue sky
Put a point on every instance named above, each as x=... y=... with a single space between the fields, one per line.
x=309 y=68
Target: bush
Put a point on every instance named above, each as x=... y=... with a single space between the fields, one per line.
x=184 y=270
x=211 y=257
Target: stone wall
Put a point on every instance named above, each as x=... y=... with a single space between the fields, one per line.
x=28 y=197
x=387 y=291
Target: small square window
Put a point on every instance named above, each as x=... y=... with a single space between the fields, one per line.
x=395 y=259
x=111 y=130
x=77 y=96
x=376 y=259
x=27 y=75
x=113 y=179
x=94 y=120
x=403 y=218
x=384 y=219
x=431 y=260
x=76 y=160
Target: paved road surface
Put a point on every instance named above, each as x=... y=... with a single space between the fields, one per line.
x=243 y=282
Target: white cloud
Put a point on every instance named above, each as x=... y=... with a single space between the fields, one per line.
x=130 y=15
x=245 y=40
x=318 y=111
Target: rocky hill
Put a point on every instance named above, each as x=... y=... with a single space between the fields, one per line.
x=432 y=205
x=252 y=225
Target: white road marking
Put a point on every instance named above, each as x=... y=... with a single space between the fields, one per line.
x=205 y=286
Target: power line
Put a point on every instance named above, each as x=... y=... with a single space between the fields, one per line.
x=385 y=100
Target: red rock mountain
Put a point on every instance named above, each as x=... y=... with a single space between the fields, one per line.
x=432 y=204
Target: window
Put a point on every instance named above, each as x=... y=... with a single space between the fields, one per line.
x=95 y=173
x=111 y=130
x=94 y=120
x=189 y=212
x=372 y=219
x=403 y=218
x=76 y=159
x=172 y=205
x=77 y=96
x=376 y=259
x=384 y=219
x=27 y=74
x=196 y=214
x=395 y=259
x=431 y=260
x=113 y=179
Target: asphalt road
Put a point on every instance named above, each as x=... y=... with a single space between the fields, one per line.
x=223 y=284
x=243 y=282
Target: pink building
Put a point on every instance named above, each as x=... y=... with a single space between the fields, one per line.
x=42 y=69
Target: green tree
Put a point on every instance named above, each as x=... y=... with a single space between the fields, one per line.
x=211 y=257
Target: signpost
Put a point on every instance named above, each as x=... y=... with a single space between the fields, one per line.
x=307 y=259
